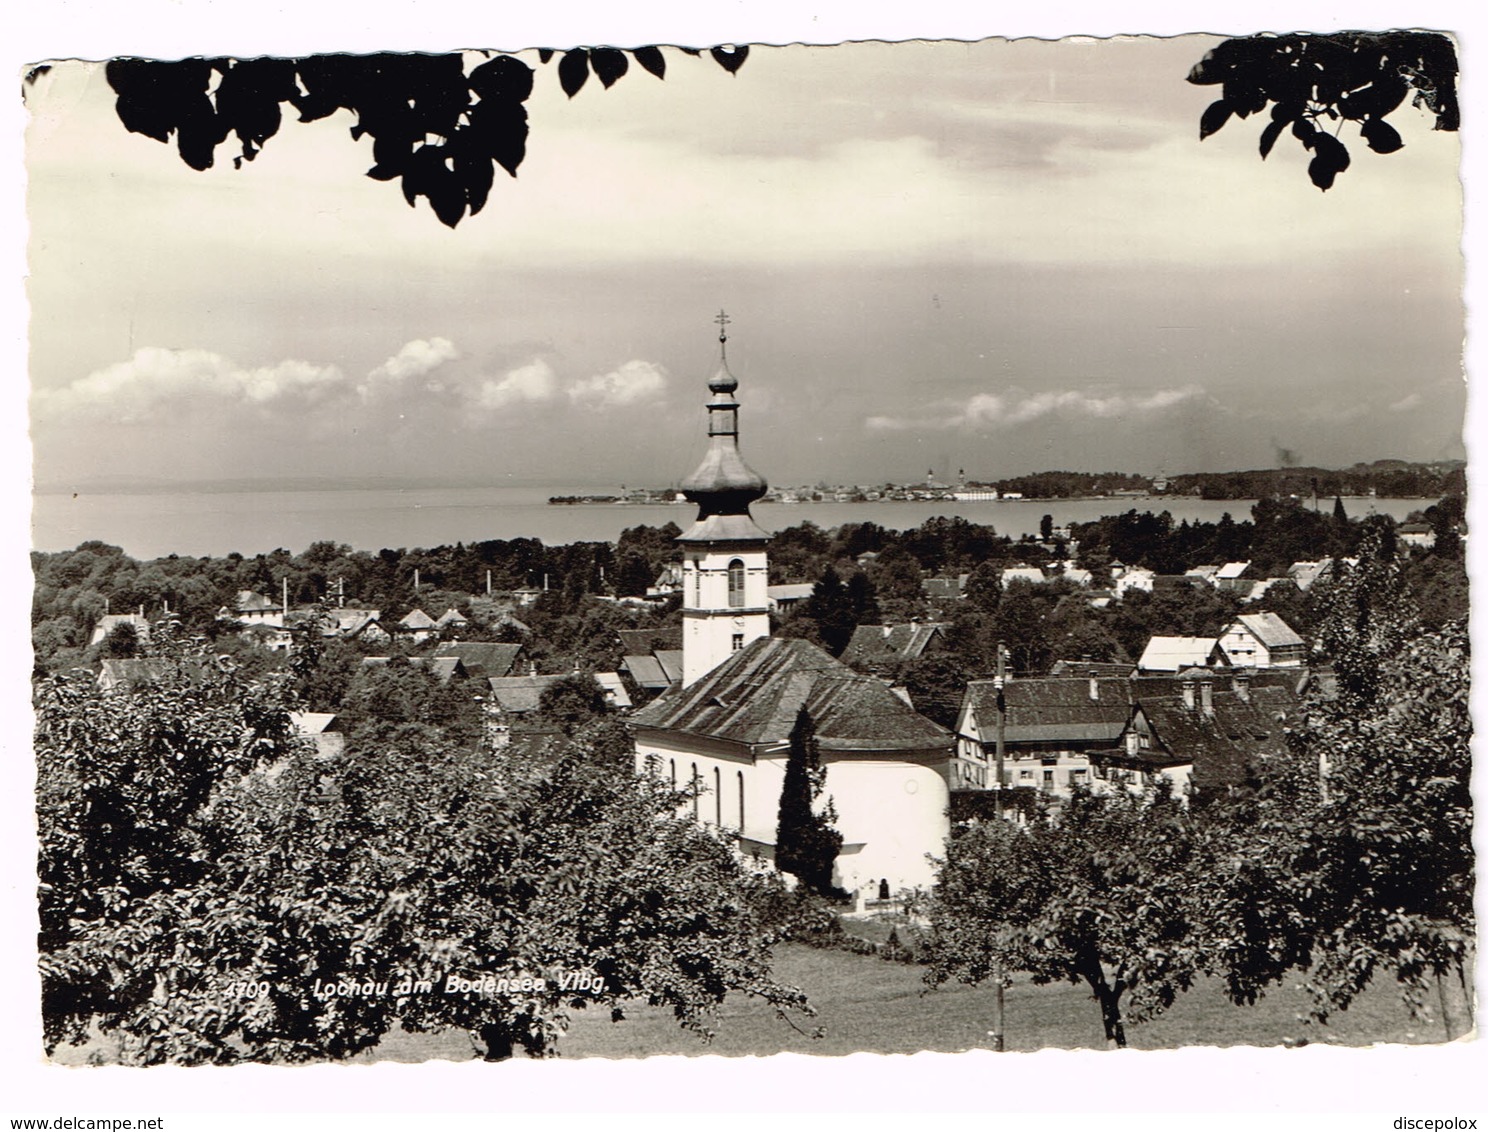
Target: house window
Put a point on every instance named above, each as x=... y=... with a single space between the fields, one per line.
x=1048 y=780
x=738 y=641
x=1078 y=776
x=736 y=584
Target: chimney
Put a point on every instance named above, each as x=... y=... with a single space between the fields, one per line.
x=1188 y=694
x=1242 y=687
x=1094 y=686
x=1206 y=696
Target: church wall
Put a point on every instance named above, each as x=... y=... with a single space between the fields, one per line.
x=891 y=812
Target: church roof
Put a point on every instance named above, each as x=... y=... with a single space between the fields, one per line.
x=753 y=698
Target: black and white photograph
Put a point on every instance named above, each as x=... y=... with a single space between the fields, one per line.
x=735 y=547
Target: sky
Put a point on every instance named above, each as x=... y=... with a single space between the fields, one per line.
x=891 y=248
x=993 y=256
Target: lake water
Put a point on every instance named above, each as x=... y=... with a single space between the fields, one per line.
x=150 y=525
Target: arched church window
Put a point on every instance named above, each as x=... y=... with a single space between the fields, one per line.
x=697 y=789
x=672 y=772
x=741 y=801
x=736 y=583
x=717 y=797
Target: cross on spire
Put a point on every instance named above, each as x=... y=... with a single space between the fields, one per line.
x=723 y=320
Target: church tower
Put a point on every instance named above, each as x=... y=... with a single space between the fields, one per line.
x=724 y=572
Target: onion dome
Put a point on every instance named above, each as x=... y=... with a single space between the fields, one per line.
x=723 y=486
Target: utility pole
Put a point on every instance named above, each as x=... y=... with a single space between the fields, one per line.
x=997 y=1000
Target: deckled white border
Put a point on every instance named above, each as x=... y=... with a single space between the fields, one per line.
x=1277 y=1086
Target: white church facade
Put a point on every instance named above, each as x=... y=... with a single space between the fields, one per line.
x=726 y=727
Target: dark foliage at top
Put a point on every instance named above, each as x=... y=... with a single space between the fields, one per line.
x=1310 y=81
x=436 y=128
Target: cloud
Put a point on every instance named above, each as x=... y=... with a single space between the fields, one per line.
x=532 y=383
x=416 y=359
x=157 y=381
x=994 y=410
x=630 y=384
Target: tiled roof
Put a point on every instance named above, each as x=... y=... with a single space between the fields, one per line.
x=1089 y=667
x=482 y=658
x=416 y=619
x=248 y=601
x=1270 y=630
x=1222 y=745
x=942 y=587
x=614 y=689
x=671 y=664
x=890 y=642
x=107 y=622
x=451 y=616
x=138 y=672
x=795 y=591
x=1049 y=709
x=518 y=694
x=646 y=671
x=645 y=640
x=754 y=696
x=1168 y=654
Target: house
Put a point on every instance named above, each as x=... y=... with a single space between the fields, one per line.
x=642 y=641
x=1169 y=654
x=134 y=673
x=1230 y=575
x=1202 y=729
x=1031 y=574
x=451 y=621
x=482 y=659
x=416 y=624
x=1416 y=534
x=785 y=597
x=1204 y=574
x=1104 y=668
x=109 y=621
x=944 y=589
x=668 y=581
x=252 y=608
x=443 y=668
x=1308 y=574
x=616 y=696
x=887 y=645
x=888 y=768
x=654 y=672
x=1051 y=725
x=324 y=728
x=1132 y=578
x=1262 y=640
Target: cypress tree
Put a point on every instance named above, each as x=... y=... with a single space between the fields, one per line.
x=806 y=845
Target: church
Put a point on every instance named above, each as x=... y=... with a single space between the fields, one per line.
x=726 y=726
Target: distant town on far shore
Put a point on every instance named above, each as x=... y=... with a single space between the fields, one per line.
x=1395 y=479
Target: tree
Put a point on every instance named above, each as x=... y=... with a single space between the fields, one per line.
x=121 y=641
x=806 y=845
x=1099 y=892
x=436 y=128
x=572 y=701
x=1312 y=80
x=1353 y=858
x=214 y=892
x=993 y=883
